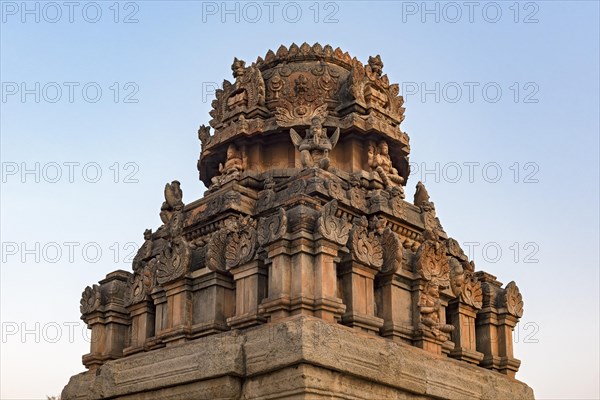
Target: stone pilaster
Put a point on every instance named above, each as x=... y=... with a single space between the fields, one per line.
x=272 y=237
x=394 y=302
x=213 y=301
x=142 y=325
x=103 y=310
x=250 y=289
x=462 y=317
x=328 y=305
x=357 y=278
x=495 y=323
x=331 y=236
x=179 y=315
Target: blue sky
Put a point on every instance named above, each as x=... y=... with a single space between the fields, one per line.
x=532 y=116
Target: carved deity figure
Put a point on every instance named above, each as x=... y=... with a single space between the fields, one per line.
x=233 y=166
x=430 y=308
x=379 y=161
x=315 y=147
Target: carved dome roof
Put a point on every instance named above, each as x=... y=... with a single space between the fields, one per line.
x=289 y=87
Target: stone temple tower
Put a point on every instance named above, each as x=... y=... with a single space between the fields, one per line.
x=303 y=273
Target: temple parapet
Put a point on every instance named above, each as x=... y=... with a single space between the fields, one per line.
x=305 y=216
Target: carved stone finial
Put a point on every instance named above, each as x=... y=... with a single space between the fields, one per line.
x=173 y=201
x=174 y=195
x=238 y=68
x=204 y=135
x=427 y=207
x=421 y=195
x=432 y=263
x=376 y=65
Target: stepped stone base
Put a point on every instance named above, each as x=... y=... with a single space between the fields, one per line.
x=299 y=358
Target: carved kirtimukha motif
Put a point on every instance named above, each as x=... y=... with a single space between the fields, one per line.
x=267 y=196
x=241 y=246
x=336 y=190
x=142 y=282
x=364 y=245
x=174 y=260
x=272 y=228
x=356 y=193
x=472 y=293
x=215 y=249
x=314 y=148
x=396 y=201
x=332 y=227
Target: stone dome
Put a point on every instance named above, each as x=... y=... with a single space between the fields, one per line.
x=286 y=90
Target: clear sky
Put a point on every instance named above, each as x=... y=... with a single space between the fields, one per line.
x=101 y=103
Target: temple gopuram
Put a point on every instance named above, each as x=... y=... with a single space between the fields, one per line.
x=304 y=272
